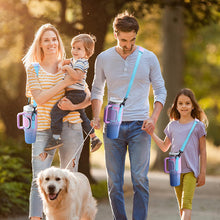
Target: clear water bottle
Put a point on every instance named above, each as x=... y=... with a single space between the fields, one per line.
x=29 y=123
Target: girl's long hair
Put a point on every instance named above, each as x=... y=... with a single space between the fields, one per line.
x=35 y=53
x=197 y=112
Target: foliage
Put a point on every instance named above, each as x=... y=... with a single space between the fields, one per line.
x=203 y=74
x=99 y=190
x=197 y=13
x=15 y=178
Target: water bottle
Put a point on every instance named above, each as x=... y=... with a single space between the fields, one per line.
x=113 y=117
x=29 y=120
x=174 y=168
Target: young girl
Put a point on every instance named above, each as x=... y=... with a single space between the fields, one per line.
x=184 y=111
x=82 y=49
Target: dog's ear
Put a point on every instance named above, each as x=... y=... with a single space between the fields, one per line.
x=67 y=182
x=39 y=181
x=70 y=181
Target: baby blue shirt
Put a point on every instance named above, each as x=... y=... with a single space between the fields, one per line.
x=112 y=69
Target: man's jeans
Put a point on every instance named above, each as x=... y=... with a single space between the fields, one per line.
x=72 y=137
x=138 y=143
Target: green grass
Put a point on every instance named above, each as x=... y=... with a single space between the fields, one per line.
x=99 y=190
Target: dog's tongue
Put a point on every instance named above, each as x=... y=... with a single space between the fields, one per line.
x=52 y=196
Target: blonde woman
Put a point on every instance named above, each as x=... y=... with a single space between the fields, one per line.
x=46 y=89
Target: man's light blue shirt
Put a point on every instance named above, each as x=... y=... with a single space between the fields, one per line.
x=112 y=69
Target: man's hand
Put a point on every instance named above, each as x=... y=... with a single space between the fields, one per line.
x=148 y=126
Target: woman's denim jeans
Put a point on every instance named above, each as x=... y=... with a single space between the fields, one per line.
x=72 y=138
x=138 y=143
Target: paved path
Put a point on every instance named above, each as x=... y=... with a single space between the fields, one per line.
x=162 y=205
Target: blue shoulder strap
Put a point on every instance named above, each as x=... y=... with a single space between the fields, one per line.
x=36 y=68
x=184 y=144
x=187 y=138
x=140 y=52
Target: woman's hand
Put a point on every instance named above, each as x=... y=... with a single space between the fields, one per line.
x=77 y=76
x=68 y=80
x=66 y=104
x=96 y=123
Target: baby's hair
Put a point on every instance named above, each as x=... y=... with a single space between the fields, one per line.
x=196 y=112
x=88 y=42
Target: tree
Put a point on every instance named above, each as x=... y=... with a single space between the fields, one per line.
x=172 y=64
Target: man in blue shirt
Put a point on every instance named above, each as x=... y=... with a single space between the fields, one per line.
x=114 y=67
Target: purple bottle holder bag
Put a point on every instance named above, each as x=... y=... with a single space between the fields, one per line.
x=174 y=168
x=29 y=117
x=112 y=118
x=29 y=123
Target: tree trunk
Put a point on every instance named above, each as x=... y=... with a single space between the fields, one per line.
x=97 y=15
x=172 y=65
x=96 y=21
x=10 y=106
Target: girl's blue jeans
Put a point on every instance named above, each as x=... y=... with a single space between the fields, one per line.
x=137 y=142
x=72 y=138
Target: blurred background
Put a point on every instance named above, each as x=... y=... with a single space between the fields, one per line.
x=184 y=34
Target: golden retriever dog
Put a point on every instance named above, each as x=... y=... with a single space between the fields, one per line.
x=66 y=195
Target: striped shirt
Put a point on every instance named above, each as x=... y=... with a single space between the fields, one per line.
x=83 y=65
x=45 y=81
